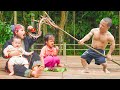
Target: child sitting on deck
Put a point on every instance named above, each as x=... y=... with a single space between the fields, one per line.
x=49 y=53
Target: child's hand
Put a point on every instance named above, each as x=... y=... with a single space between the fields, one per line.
x=6 y=54
x=57 y=48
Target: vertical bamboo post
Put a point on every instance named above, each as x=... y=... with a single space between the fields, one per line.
x=15 y=17
x=32 y=19
x=64 y=52
x=64 y=49
x=119 y=32
x=74 y=29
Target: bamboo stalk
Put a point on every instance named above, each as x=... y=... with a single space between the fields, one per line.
x=15 y=17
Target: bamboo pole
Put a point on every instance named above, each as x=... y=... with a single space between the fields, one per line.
x=74 y=28
x=119 y=32
x=15 y=17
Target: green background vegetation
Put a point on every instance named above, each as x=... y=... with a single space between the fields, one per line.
x=77 y=23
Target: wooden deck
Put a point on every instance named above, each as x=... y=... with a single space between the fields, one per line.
x=74 y=68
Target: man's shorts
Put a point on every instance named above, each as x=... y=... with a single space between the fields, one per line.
x=90 y=54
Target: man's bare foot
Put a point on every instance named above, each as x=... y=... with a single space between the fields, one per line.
x=106 y=71
x=85 y=71
x=12 y=73
x=37 y=71
x=35 y=68
x=60 y=65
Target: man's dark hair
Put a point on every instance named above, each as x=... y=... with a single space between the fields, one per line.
x=107 y=19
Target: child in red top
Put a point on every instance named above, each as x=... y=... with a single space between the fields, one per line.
x=49 y=53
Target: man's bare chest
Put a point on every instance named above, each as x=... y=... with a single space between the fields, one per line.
x=100 y=37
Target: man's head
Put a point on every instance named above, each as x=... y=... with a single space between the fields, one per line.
x=18 y=30
x=108 y=20
x=105 y=24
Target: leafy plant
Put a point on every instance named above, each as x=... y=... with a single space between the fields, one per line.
x=5 y=32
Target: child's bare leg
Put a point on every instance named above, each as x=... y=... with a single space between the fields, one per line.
x=105 y=68
x=10 y=67
x=85 y=66
x=60 y=65
x=57 y=61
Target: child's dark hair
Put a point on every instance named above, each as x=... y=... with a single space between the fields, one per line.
x=15 y=37
x=48 y=37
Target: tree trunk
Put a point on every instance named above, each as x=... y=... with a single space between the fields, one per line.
x=44 y=31
x=60 y=33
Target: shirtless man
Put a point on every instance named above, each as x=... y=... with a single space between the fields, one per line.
x=100 y=38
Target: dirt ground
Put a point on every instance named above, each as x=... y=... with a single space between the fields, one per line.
x=74 y=68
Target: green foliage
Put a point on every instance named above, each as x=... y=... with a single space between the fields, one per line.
x=77 y=26
x=5 y=32
x=85 y=21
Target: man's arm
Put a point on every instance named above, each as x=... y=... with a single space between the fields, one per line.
x=87 y=37
x=112 y=45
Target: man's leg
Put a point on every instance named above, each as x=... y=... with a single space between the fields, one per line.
x=86 y=58
x=34 y=58
x=35 y=65
x=100 y=60
x=105 y=67
x=85 y=65
x=36 y=72
x=21 y=70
